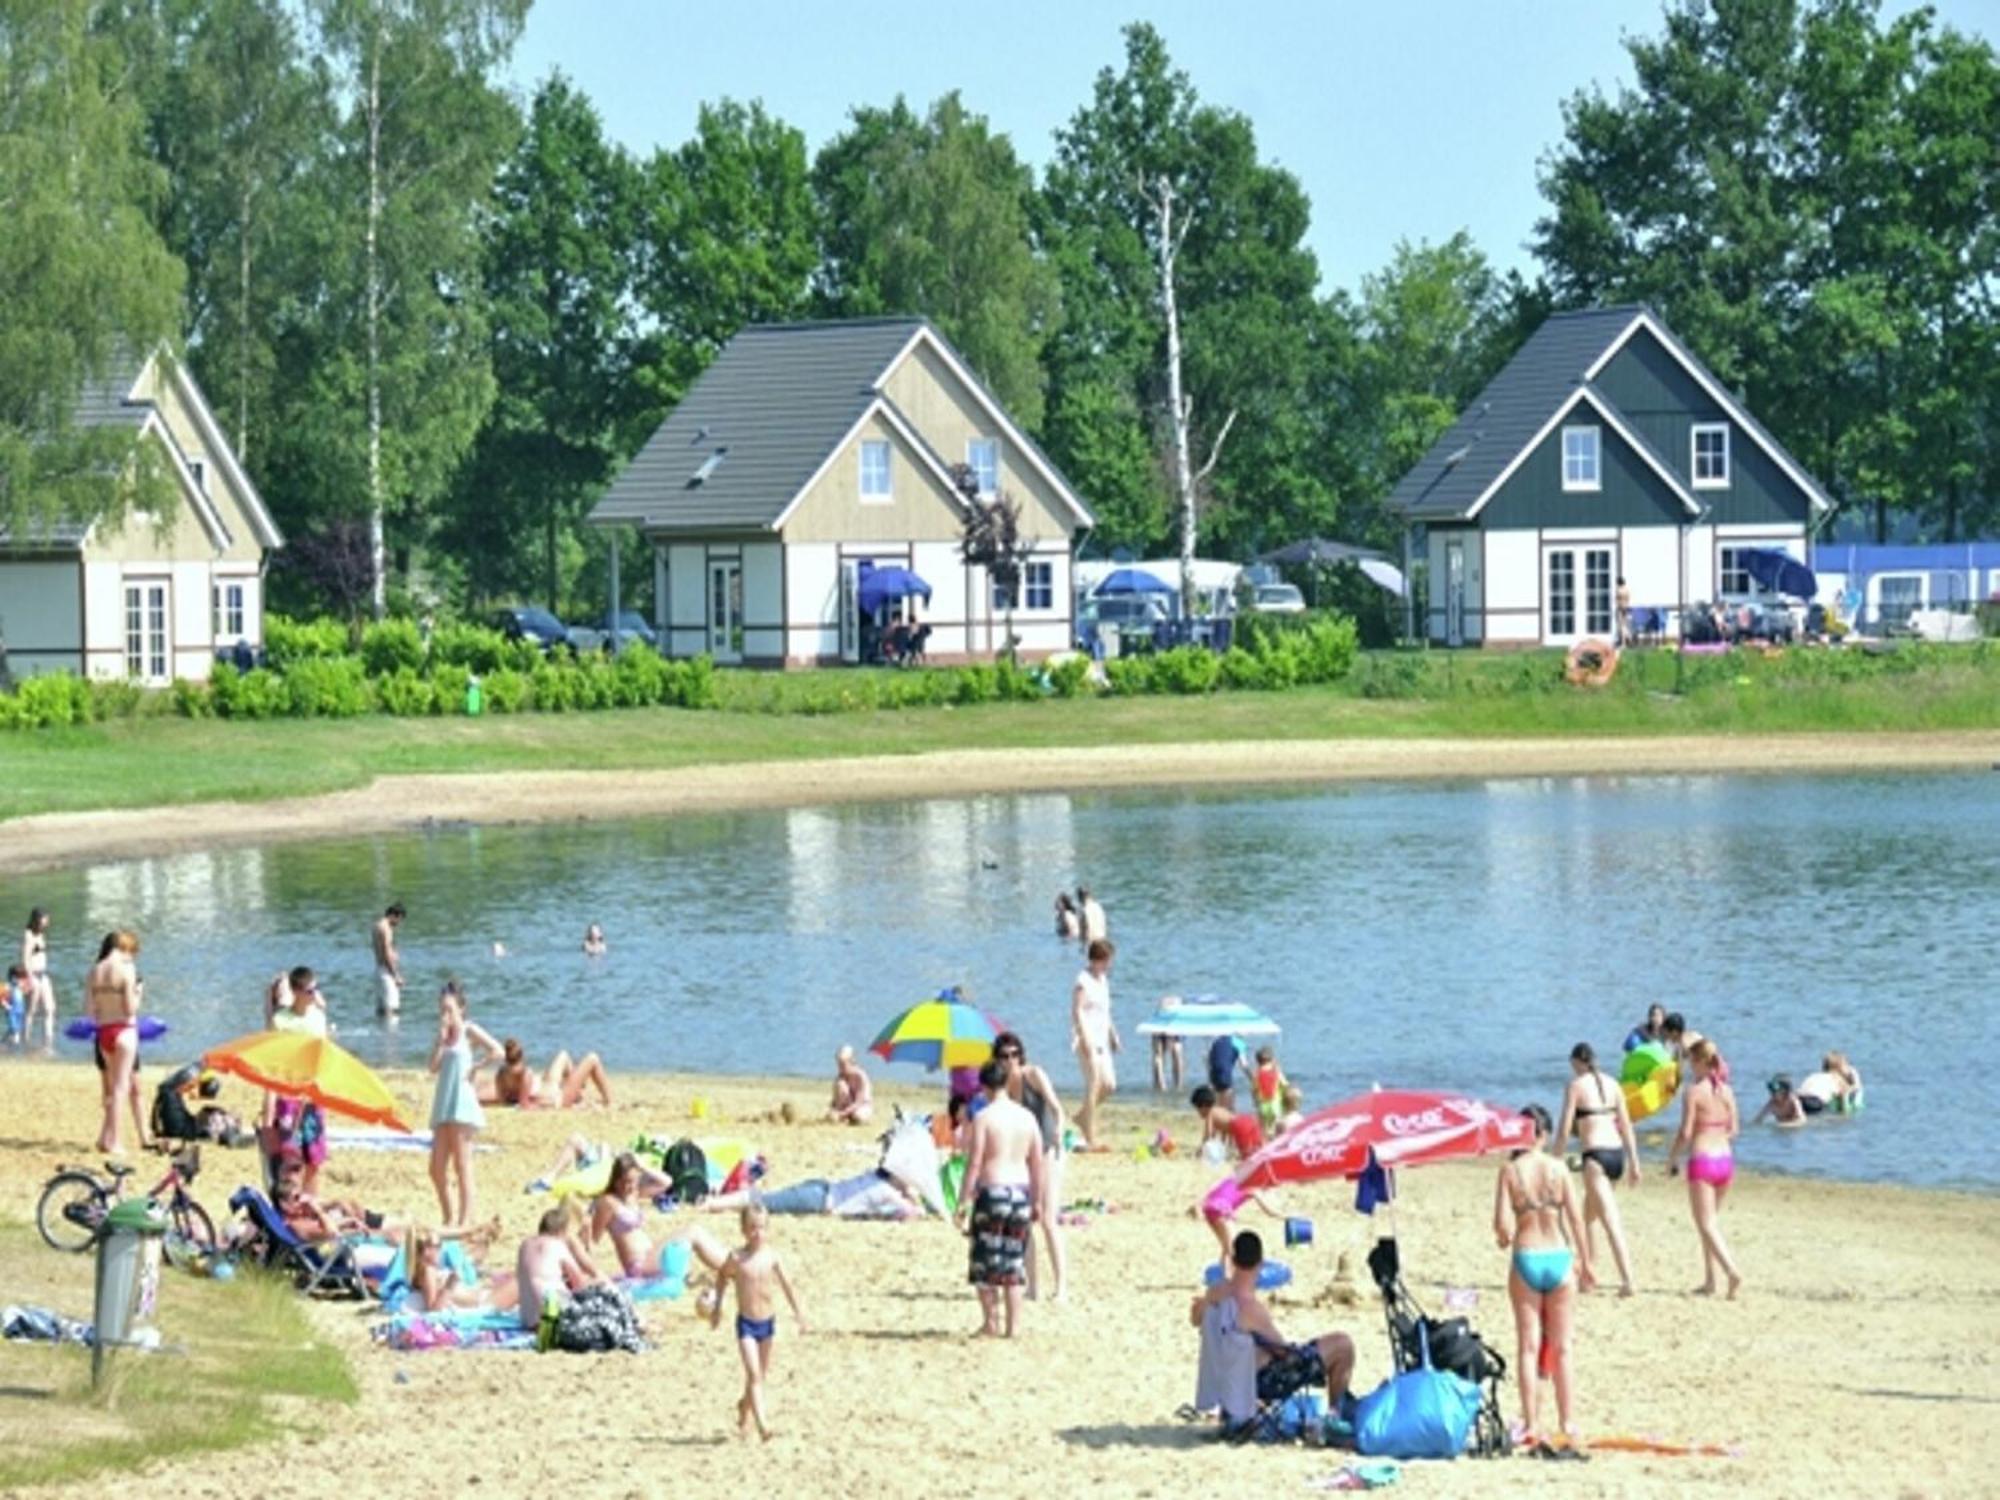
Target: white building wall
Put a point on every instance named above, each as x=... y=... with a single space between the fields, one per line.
x=1512 y=588
x=104 y=618
x=812 y=601
x=41 y=617
x=1701 y=563
x=952 y=595
x=193 y=627
x=763 y=601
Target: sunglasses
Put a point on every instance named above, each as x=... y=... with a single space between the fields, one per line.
x=1009 y=1054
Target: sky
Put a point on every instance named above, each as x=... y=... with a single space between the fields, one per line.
x=1410 y=119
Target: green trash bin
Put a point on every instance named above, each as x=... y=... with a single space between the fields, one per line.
x=128 y=1278
x=475 y=697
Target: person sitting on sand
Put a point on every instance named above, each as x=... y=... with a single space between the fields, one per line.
x=620 y=1213
x=594 y=945
x=560 y=1087
x=550 y=1265
x=1239 y=1135
x=1785 y=1107
x=853 y=1098
x=439 y=1288
x=753 y=1271
x=1282 y=1366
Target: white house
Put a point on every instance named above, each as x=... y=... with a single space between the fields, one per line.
x=1604 y=450
x=809 y=454
x=157 y=596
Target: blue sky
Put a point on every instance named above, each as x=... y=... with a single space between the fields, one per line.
x=1407 y=119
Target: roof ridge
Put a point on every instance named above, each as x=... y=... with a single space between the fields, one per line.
x=814 y=325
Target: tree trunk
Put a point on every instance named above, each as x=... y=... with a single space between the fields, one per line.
x=243 y=325
x=377 y=560
x=1177 y=404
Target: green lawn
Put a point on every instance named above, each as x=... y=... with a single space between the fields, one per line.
x=156 y=759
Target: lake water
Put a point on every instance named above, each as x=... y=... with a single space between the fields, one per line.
x=1445 y=935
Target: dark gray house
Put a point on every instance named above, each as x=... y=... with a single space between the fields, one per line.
x=1604 y=450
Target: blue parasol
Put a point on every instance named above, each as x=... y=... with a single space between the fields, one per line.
x=1779 y=572
x=880 y=586
x=1132 y=581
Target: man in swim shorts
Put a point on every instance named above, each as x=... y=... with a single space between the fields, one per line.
x=1282 y=1367
x=1003 y=1175
x=388 y=963
x=547 y=1267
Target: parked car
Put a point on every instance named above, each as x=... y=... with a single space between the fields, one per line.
x=1129 y=614
x=524 y=622
x=1277 y=599
x=629 y=629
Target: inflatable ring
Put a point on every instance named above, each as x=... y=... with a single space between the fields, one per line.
x=1271 y=1275
x=1643 y=1100
x=1643 y=1061
x=1591 y=663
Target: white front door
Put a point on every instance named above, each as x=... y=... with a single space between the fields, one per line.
x=725 y=609
x=1577 y=594
x=850 y=610
x=148 y=651
x=1454 y=593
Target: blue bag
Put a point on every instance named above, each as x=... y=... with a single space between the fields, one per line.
x=1422 y=1413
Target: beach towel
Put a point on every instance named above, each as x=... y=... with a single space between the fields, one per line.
x=396 y=1284
x=462 y=1328
x=1618 y=1443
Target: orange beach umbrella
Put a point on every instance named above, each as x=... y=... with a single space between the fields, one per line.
x=309 y=1067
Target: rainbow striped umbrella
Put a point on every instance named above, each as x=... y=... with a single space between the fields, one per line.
x=940 y=1033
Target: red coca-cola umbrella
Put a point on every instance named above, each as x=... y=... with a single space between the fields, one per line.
x=1397 y=1127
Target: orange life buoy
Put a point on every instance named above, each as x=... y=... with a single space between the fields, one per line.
x=1591 y=663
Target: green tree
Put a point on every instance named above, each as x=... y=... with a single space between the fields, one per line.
x=732 y=238
x=932 y=215
x=561 y=262
x=404 y=379
x=1808 y=196
x=84 y=277
x=1245 y=289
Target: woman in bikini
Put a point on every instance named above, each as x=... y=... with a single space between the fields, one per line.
x=41 y=993
x=1594 y=1107
x=113 y=993
x=1708 y=1124
x=1533 y=1211
x=620 y=1212
x=560 y=1087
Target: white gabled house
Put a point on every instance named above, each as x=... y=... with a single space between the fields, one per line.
x=1604 y=450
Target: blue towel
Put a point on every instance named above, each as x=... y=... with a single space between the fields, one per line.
x=1374 y=1187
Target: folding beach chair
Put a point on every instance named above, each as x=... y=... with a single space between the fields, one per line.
x=1453 y=1346
x=1226 y=1382
x=316 y=1267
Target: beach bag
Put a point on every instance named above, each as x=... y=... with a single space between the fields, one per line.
x=686 y=1167
x=1454 y=1348
x=1422 y=1413
x=597 y=1320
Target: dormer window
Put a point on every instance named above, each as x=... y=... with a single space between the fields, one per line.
x=1709 y=464
x=875 y=472
x=1580 y=458
x=982 y=456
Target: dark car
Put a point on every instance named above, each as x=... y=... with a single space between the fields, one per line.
x=524 y=622
x=631 y=629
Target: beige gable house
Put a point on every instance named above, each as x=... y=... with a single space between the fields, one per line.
x=809 y=455
x=157 y=597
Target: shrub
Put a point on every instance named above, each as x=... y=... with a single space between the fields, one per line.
x=553 y=686
x=287 y=640
x=522 y=655
x=392 y=646
x=1328 y=647
x=976 y=684
x=449 y=684
x=52 y=700
x=1014 y=683
x=1130 y=676
x=326 y=688
x=1241 y=671
x=1070 y=677
x=191 y=700
x=257 y=694
x=1398 y=675
x=641 y=677
x=114 y=697
x=505 y=691
x=405 y=694
x=1186 y=669
x=474 y=647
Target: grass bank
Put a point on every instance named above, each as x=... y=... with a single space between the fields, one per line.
x=241 y=1364
x=157 y=760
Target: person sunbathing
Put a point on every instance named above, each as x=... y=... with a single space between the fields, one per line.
x=317 y=1219
x=879 y=1194
x=620 y=1214
x=560 y=1087
x=439 y=1288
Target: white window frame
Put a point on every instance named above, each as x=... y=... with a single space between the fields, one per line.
x=229 y=598
x=149 y=638
x=1695 y=478
x=988 y=486
x=887 y=494
x=1038 y=576
x=1723 y=568
x=1596 y=480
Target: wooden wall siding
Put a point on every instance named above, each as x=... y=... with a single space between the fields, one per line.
x=1631 y=493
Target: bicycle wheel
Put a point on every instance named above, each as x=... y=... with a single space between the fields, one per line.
x=191 y=1236
x=73 y=1205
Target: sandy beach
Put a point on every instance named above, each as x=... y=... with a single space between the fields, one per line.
x=395 y=803
x=1857 y=1363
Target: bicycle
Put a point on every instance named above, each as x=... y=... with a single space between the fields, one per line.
x=75 y=1203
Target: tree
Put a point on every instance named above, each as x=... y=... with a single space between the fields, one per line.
x=426 y=127
x=992 y=539
x=1245 y=305
x=732 y=238
x=84 y=278
x=1808 y=196
x=561 y=265
x=932 y=216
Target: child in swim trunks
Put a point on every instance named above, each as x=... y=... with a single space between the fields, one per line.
x=754 y=1270
x=18 y=999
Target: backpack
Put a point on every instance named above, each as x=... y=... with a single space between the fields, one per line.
x=597 y=1320
x=686 y=1167
x=1456 y=1348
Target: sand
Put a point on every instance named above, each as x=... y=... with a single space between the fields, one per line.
x=1859 y=1362
x=393 y=803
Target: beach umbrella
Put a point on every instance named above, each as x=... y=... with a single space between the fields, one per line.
x=1779 y=572
x=938 y=1033
x=1132 y=581
x=1385 y=573
x=299 y=1066
x=880 y=586
x=1387 y=1128
x=1206 y=1016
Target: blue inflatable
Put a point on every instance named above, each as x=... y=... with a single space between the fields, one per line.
x=151 y=1029
x=1273 y=1273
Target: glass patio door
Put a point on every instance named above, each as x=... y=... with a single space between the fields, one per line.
x=725 y=610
